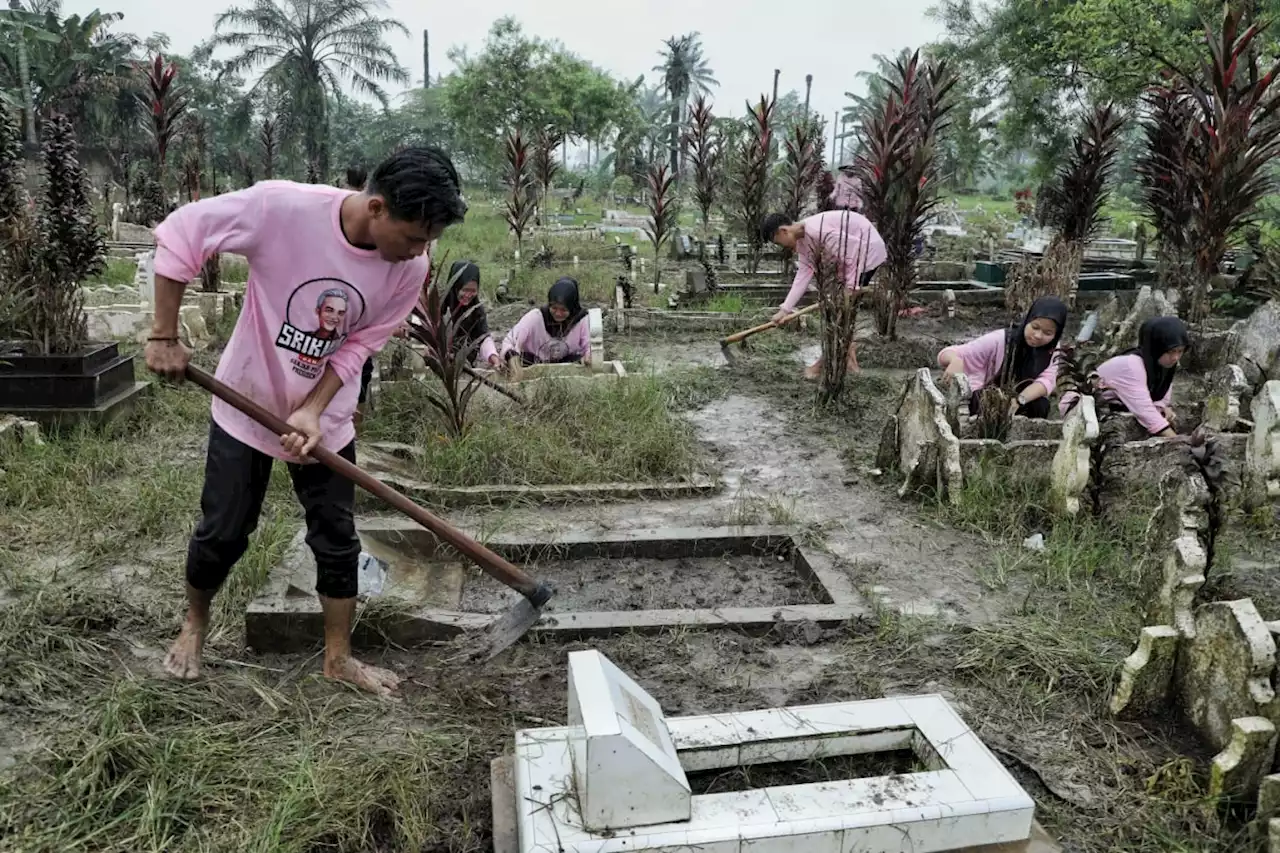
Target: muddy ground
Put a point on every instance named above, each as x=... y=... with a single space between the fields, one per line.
x=1027 y=656
x=636 y=583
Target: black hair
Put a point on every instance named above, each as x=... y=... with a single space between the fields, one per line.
x=420 y=185
x=770 y=224
x=357 y=175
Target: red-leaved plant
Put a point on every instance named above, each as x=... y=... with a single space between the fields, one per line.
x=755 y=155
x=545 y=167
x=899 y=170
x=706 y=148
x=664 y=213
x=521 y=188
x=803 y=167
x=1165 y=171
x=1235 y=136
x=267 y=139
x=165 y=102
x=446 y=356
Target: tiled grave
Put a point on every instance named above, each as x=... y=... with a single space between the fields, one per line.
x=615 y=779
x=742 y=578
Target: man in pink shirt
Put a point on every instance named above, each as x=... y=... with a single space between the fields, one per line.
x=845 y=236
x=332 y=274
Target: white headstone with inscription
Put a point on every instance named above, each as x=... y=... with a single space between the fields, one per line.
x=625 y=766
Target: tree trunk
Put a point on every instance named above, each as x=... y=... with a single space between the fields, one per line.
x=675 y=141
x=24 y=80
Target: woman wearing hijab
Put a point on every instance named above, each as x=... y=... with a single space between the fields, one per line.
x=1140 y=380
x=463 y=300
x=553 y=334
x=1026 y=355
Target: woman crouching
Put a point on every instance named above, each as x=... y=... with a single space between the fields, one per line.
x=556 y=333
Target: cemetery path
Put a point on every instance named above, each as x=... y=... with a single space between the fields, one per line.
x=777 y=471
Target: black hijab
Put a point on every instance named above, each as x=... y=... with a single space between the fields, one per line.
x=563 y=292
x=474 y=325
x=1024 y=363
x=1155 y=338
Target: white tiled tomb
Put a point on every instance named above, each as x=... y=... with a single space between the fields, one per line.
x=614 y=779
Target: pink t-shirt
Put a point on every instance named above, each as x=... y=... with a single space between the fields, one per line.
x=530 y=336
x=1124 y=380
x=312 y=299
x=850 y=237
x=848 y=192
x=983 y=357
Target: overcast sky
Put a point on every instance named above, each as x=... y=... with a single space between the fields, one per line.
x=744 y=40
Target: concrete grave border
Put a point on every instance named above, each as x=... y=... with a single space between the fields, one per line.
x=278 y=620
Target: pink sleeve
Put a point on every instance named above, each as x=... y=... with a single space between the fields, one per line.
x=511 y=343
x=1167 y=400
x=1126 y=377
x=581 y=342
x=804 y=275
x=349 y=358
x=982 y=356
x=195 y=232
x=1049 y=379
x=487 y=349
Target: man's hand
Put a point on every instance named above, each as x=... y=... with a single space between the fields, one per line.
x=306 y=433
x=782 y=314
x=167 y=358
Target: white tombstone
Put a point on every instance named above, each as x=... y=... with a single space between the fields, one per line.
x=625 y=766
x=145 y=277
x=575 y=261
x=117 y=210
x=1071 y=463
x=596 y=318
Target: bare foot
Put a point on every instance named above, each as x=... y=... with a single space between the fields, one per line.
x=371 y=679
x=183 y=659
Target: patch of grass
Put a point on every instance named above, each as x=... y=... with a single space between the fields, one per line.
x=235 y=765
x=571 y=433
x=730 y=303
x=117 y=271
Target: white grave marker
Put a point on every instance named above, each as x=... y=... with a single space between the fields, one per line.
x=596 y=318
x=145 y=277
x=625 y=765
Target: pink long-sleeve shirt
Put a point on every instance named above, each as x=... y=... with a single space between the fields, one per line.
x=530 y=336
x=984 y=356
x=312 y=300
x=847 y=236
x=1124 y=380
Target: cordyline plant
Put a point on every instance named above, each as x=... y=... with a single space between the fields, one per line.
x=839 y=316
x=755 y=155
x=270 y=145
x=1071 y=204
x=1235 y=135
x=1165 y=172
x=165 y=102
x=898 y=169
x=664 y=213
x=521 y=189
x=45 y=253
x=447 y=357
x=803 y=160
x=706 y=148
x=545 y=167
x=17 y=245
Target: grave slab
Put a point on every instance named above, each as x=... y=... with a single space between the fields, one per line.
x=1262 y=453
x=1146 y=679
x=1237 y=771
x=964 y=799
x=751 y=579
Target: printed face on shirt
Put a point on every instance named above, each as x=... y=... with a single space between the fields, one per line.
x=559 y=313
x=397 y=240
x=319 y=315
x=1040 y=331
x=1171 y=358
x=332 y=311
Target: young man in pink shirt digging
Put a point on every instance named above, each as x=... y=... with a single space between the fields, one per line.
x=846 y=236
x=332 y=274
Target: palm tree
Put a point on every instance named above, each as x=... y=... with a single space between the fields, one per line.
x=877 y=87
x=312 y=49
x=685 y=73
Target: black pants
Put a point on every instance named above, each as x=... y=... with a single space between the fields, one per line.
x=1038 y=408
x=235 y=483
x=366 y=376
